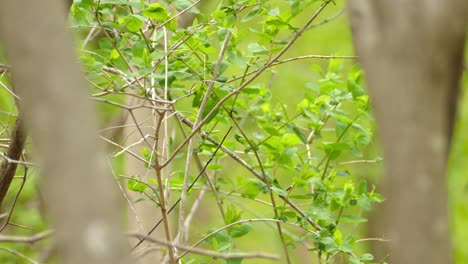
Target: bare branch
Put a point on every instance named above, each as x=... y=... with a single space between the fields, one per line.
x=206 y=252
x=26 y=239
x=15 y=149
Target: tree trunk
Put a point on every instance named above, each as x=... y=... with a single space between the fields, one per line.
x=79 y=194
x=412 y=54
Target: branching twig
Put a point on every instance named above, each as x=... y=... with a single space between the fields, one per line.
x=8 y=168
x=201 y=110
x=190 y=187
x=251 y=169
x=162 y=197
x=233 y=224
x=10 y=213
x=26 y=239
x=206 y=252
x=4 y=68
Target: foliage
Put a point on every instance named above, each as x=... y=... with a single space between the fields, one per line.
x=264 y=160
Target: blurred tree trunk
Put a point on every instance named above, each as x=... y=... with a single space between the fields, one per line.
x=412 y=54
x=79 y=195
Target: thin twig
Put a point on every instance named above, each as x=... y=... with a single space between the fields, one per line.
x=206 y=252
x=190 y=187
x=8 y=165
x=16 y=253
x=124 y=193
x=266 y=181
x=328 y=20
x=233 y=224
x=214 y=191
x=10 y=91
x=4 y=68
x=10 y=213
x=162 y=197
x=193 y=210
x=360 y=161
x=183 y=195
x=26 y=239
x=127 y=151
x=19 y=162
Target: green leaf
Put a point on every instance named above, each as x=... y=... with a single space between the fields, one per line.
x=114 y=55
x=274 y=12
x=231 y=215
x=290 y=139
x=220 y=241
x=214 y=167
x=362 y=189
x=333 y=150
x=270 y=129
x=338 y=237
x=236 y=58
x=234 y=261
x=136 y=186
x=334 y=65
x=156 y=11
x=376 y=197
x=184 y=4
x=367 y=257
x=251 y=14
x=275 y=21
x=298 y=133
x=354 y=260
x=133 y=23
x=256 y=48
x=240 y=230
x=364 y=202
x=279 y=191
x=352 y=219
x=250 y=190
x=146 y=153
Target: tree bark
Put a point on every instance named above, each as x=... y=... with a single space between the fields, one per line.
x=80 y=199
x=412 y=54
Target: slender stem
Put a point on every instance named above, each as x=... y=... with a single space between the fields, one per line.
x=206 y=252
x=162 y=199
x=233 y=224
x=220 y=145
x=183 y=195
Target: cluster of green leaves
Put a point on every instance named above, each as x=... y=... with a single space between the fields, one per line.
x=292 y=153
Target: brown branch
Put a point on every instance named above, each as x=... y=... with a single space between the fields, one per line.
x=4 y=68
x=8 y=168
x=206 y=252
x=26 y=239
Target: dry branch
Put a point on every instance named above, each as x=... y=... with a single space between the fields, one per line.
x=15 y=149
